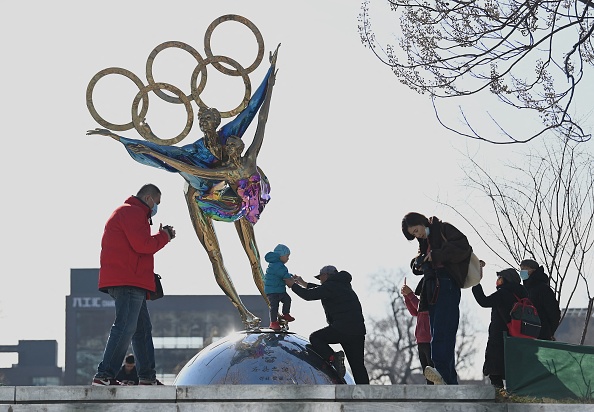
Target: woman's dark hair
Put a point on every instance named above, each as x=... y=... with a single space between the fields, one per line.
x=413 y=219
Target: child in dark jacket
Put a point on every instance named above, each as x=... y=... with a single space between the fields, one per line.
x=509 y=290
x=422 y=329
x=275 y=286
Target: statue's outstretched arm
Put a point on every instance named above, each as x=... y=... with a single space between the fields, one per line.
x=219 y=173
x=254 y=148
x=145 y=130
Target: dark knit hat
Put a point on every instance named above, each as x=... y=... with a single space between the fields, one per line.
x=529 y=263
x=510 y=275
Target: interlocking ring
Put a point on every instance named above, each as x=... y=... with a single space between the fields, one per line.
x=91 y=106
x=196 y=90
x=180 y=97
x=151 y=59
x=251 y=26
x=144 y=131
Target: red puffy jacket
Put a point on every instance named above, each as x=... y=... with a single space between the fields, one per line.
x=127 y=247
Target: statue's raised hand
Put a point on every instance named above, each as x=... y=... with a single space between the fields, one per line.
x=272 y=56
x=104 y=132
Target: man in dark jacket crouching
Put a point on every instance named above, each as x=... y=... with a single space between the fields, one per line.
x=344 y=316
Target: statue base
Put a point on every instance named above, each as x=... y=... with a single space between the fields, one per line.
x=260 y=356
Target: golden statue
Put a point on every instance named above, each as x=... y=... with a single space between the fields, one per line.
x=221 y=184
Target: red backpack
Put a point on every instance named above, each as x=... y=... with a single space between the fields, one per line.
x=525 y=322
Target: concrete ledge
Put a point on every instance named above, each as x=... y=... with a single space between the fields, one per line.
x=7 y=394
x=420 y=393
x=549 y=407
x=263 y=393
x=265 y=398
x=260 y=393
x=69 y=394
x=183 y=407
x=297 y=406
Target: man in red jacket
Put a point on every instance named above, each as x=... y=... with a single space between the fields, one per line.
x=127 y=274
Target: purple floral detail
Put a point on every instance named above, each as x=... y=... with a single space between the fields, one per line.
x=253 y=197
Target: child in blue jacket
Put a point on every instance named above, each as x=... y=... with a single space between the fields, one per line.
x=274 y=284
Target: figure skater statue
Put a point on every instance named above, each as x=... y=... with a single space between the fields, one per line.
x=221 y=184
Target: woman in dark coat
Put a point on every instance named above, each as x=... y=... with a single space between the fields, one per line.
x=536 y=282
x=501 y=302
x=444 y=254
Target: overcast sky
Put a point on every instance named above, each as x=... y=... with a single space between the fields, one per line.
x=348 y=151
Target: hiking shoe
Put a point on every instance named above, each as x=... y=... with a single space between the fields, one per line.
x=275 y=326
x=106 y=382
x=288 y=317
x=338 y=363
x=434 y=376
x=155 y=382
x=501 y=392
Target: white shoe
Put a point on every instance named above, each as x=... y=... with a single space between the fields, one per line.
x=433 y=375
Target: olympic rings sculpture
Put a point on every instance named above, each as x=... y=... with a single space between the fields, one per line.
x=197 y=88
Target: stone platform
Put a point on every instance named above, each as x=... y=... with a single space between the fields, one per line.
x=264 y=398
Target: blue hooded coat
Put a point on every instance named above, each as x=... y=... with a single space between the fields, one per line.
x=275 y=274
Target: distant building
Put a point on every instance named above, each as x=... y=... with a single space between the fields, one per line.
x=37 y=364
x=182 y=326
x=571 y=328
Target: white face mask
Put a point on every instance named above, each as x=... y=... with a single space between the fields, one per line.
x=524 y=274
x=426 y=231
x=154 y=209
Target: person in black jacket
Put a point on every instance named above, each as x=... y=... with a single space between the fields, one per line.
x=128 y=374
x=536 y=281
x=509 y=290
x=346 y=324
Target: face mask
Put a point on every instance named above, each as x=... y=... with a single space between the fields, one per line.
x=426 y=231
x=154 y=209
x=524 y=274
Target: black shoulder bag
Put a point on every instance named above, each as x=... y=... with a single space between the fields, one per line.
x=158 y=293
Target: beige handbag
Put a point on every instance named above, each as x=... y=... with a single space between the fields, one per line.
x=474 y=276
x=474 y=272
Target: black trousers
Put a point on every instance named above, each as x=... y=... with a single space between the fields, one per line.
x=425 y=357
x=497 y=381
x=353 y=346
x=275 y=299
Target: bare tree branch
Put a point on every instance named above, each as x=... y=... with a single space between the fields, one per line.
x=529 y=55
x=543 y=210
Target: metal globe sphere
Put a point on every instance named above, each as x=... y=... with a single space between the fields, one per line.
x=259 y=357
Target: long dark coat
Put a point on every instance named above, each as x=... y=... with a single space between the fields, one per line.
x=501 y=302
x=545 y=302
